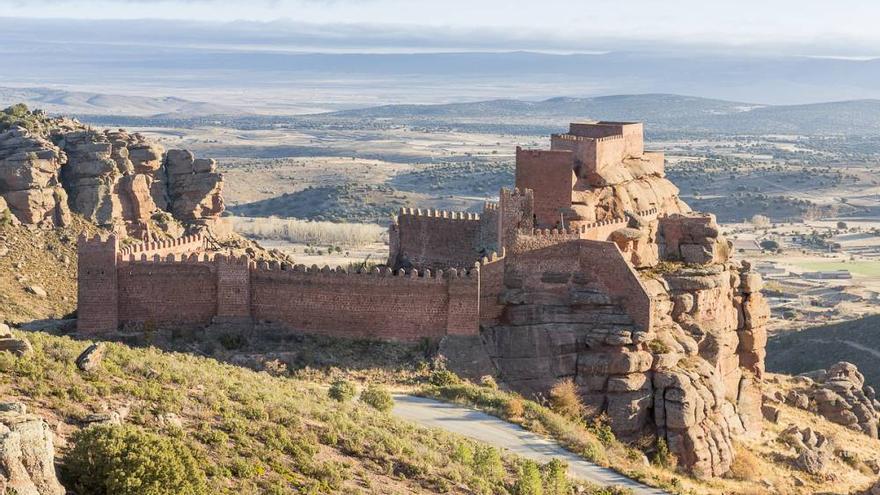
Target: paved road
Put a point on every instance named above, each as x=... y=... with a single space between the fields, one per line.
x=494 y=431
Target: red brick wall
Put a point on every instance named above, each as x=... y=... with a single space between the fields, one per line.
x=378 y=306
x=167 y=291
x=97 y=287
x=491 y=286
x=233 y=287
x=550 y=174
x=436 y=240
x=184 y=245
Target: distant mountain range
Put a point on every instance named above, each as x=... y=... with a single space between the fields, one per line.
x=663 y=112
x=59 y=101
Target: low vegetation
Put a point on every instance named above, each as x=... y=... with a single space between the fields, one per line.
x=127 y=460
x=249 y=432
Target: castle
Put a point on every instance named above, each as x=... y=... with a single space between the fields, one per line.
x=561 y=278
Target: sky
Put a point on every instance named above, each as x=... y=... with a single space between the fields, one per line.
x=810 y=27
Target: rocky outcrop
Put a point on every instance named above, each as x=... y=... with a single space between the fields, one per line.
x=116 y=179
x=194 y=187
x=840 y=395
x=814 y=450
x=29 y=180
x=27 y=454
x=113 y=178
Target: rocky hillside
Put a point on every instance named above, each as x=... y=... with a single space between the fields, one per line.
x=50 y=167
x=236 y=431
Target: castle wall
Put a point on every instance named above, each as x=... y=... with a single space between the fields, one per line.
x=97 y=285
x=550 y=174
x=438 y=239
x=377 y=306
x=515 y=213
x=491 y=287
x=167 y=291
x=184 y=245
x=601 y=261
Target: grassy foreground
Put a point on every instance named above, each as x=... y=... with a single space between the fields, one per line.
x=255 y=433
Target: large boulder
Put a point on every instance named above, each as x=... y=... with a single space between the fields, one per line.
x=29 y=181
x=27 y=454
x=194 y=186
x=840 y=395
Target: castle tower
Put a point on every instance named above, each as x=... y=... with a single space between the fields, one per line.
x=97 y=310
x=516 y=210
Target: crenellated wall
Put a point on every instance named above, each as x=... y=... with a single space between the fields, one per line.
x=185 y=244
x=435 y=239
x=379 y=305
x=167 y=289
x=178 y=288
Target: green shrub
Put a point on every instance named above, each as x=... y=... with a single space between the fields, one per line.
x=232 y=341
x=377 y=397
x=127 y=460
x=663 y=457
x=528 y=479
x=443 y=378
x=342 y=390
x=555 y=474
x=487 y=463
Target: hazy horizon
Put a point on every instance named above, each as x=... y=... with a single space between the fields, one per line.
x=312 y=55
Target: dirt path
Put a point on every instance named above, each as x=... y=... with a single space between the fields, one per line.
x=499 y=433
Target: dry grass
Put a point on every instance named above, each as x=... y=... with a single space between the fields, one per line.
x=746 y=466
x=565 y=399
x=303 y=231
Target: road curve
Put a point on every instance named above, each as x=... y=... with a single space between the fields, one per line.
x=499 y=433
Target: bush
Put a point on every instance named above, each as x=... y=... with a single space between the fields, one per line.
x=663 y=457
x=126 y=460
x=514 y=408
x=342 y=390
x=443 y=378
x=528 y=480
x=745 y=465
x=556 y=478
x=564 y=399
x=488 y=381
x=487 y=463
x=377 y=397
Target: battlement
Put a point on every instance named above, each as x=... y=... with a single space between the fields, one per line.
x=451 y=215
x=97 y=242
x=184 y=244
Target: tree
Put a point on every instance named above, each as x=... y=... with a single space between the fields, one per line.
x=769 y=245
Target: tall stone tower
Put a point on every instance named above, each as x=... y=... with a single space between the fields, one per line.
x=97 y=310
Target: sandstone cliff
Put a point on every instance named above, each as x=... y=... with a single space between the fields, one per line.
x=115 y=179
x=667 y=342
